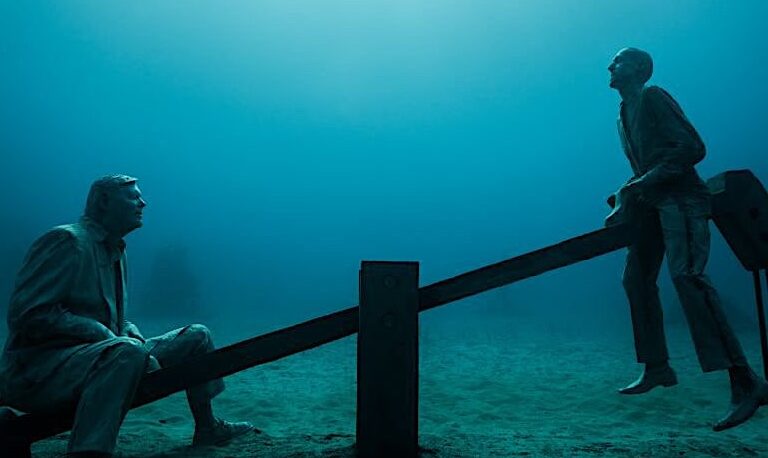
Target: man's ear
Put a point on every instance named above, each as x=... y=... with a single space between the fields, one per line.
x=102 y=202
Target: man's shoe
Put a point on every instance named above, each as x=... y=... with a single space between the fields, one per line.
x=743 y=410
x=650 y=379
x=222 y=432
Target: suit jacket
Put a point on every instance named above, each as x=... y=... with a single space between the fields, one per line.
x=64 y=300
x=662 y=147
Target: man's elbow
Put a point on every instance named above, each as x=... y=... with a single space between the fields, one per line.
x=699 y=151
x=686 y=153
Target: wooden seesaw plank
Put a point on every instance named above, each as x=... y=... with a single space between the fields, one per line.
x=566 y=253
x=313 y=333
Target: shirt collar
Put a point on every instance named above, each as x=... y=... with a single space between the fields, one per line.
x=99 y=234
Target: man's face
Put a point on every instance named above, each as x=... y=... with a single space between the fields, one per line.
x=124 y=209
x=623 y=69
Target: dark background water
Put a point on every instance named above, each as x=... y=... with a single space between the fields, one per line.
x=280 y=143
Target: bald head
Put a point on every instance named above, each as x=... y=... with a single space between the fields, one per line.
x=642 y=61
x=631 y=67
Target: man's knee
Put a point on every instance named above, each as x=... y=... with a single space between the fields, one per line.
x=200 y=335
x=688 y=280
x=636 y=282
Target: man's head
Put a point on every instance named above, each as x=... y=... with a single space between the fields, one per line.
x=115 y=202
x=630 y=67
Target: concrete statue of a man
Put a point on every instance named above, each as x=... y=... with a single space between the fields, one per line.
x=70 y=345
x=669 y=206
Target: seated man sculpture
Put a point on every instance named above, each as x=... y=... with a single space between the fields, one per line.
x=70 y=345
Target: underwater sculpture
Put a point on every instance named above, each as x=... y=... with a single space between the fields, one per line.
x=70 y=347
x=669 y=205
x=740 y=209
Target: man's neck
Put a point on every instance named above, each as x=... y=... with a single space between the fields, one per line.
x=111 y=236
x=631 y=94
x=113 y=239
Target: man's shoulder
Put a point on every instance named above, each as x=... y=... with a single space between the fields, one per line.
x=661 y=101
x=654 y=92
x=73 y=235
x=73 y=231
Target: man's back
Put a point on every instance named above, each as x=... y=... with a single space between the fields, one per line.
x=657 y=137
x=63 y=291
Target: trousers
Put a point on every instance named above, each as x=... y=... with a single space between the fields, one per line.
x=102 y=394
x=679 y=229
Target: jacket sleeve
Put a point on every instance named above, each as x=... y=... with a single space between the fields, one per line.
x=678 y=145
x=38 y=309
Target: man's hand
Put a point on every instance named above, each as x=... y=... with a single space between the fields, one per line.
x=132 y=331
x=633 y=192
x=138 y=337
x=624 y=201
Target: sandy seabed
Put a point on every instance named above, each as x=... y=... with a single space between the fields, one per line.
x=482 y=393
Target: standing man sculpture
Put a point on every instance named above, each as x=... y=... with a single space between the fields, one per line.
x=669 y=206
x=69 y=344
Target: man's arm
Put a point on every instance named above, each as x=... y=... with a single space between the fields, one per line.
x=44 y=282
x=70 y=327
x=680 y=147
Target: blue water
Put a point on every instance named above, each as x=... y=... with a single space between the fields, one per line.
x=279 y=143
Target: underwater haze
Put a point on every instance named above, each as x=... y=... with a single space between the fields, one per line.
x=279 y=143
